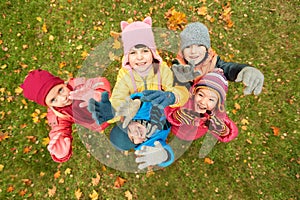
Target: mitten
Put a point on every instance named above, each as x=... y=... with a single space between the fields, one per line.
x=189 y=117
x=59 y=146
x=128 y=110
x=101 y=111
x=185 y=73
x=85 y=94
x=151 y=155
x=217 y=126
x=158 y=98
x=253 y=80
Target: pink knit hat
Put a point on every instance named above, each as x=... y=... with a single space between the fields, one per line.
x=37 y=84
x=139 y=32
x=215 y=81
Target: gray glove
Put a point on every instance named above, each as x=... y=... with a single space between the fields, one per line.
x=128 y=110
x=185 y=73
x=151 y=155
x=253 y=80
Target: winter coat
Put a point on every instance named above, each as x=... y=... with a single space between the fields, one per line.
x=61 y=127
x=129 y=82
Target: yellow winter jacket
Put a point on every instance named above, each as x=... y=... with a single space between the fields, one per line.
x=129 y=82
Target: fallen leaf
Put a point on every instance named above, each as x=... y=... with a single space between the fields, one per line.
x=57 y=174
x=128 y=195
x=202 y=11
x=94 y=195
x=22 y=192
x=244 y=128
x=119 y=182
x=237 y=106
x=84 y=54
x=62 y=65
x=116 y=44
x=67 y=171
x=44 y=28
x=3 y=136
x=78 y=194
x=46 y=141
x=208 y=161
x=39 y=19
x=18 y=90
x=10 y=188
x=95 y=181
x=51 y=192
x=115 y=35
x=1 y=167
x=27 y=181
x=27 y=149
x=244 y=121
x=176 y=20
x=51 y=37
x=79 y=47
x=276 y=130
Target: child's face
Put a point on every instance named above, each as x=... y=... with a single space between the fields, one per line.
x=194 y=53
x=136 y=132
x=58 y=96
x=140 y=58
x=205 y=99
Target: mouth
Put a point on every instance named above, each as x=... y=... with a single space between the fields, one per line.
x=141 y=64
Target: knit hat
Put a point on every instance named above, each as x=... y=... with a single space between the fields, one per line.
x=215 y=81
x=194 y=33
x=119 y=138
x=139 y=32
x=37 y=84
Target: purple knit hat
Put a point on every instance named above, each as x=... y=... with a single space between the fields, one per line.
x=139 y=32
x=215 y=81
x=37 y=84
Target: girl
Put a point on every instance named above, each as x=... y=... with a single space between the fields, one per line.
x=48 y=90
x=204 y=111
x=195 y=50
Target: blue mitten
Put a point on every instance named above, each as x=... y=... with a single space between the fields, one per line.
x=253 y=80
x=158 y=98
x=102 y=111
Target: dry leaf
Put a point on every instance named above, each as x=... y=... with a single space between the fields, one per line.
x=10 y=188
x=44 y=28
x=237 y=106
x=51 y=192
x=128 y=195
x=51 y=37
x=208 y=161
x=18 y=90
x=176 y=20
x=276 y=130
x=46 y=141
x=202 y=11
x=67 y=171
x=78 y=194
x=84 y=54
x=244 y=128
x=57 y=174
x=27 y=149
x=23 y=192
x=119 y=182
x=39 y=19
x=3 y=136
x=244 y=121
x=95 y=181
x=94 y=195
x=116 y=44
x=115 y=35
x=1 y=167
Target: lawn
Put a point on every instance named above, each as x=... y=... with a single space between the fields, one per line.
x=75 y=38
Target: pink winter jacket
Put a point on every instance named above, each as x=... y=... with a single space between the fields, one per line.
x=60 y=145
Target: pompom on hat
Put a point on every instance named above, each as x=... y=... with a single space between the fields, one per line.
x=194 y=33
x=213 y=80
x=135 y=33
x=37 y=85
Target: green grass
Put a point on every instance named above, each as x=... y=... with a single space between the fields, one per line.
x=256 y=165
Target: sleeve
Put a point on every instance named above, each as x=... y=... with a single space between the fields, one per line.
x=171 y=156
x=181 y=93
x=231 y=69
x=121 y=90
x=60 y=145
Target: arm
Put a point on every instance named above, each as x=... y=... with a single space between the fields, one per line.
x=231 y=69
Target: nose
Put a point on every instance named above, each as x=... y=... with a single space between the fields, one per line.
x=193 y=49
x=139 y=55
x=62 y=97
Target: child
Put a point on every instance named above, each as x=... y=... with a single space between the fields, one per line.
x=146 y=132
x=143 y=69
x=204 y=111
x=195 y=50
x=48 y=90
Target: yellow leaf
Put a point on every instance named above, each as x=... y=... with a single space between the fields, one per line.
x=128 y=195
x=78 y=194
x=1 y=167
x=51 y=37
x=208 y=161
x=43 y=115
x=94 y=195
x=79 y=47
x=95 y=181
x=67 y=171
x=244 y=128
x=234 y=111
x=51 y=192
x=61 y=180
x=111 y=56
x=39 y=19
x=3 y=66
x=115 y=35
x=42 y=174
x=44 y=28
x=244 y=121
x=84 y=54
x=237 y=106
x=46 y=141
x=202 y=11
x=62 y=64
x=27 y=149
x=116 y=44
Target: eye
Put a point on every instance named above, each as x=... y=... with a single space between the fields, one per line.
x=212 y=100
x=132 y=52
x=61 y=90
x=53 y=100
x=146 y=50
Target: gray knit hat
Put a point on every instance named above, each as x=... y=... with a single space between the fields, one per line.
x=194 y=33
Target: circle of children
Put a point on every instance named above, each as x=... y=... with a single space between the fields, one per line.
x=150 y=100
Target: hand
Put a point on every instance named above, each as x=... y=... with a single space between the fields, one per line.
x=252 y=78
x=101 y=111
x=185 y=73
x=87 y=91
x=128 y=109
x=190 y=117
x=59 y=146
x=151 y=155
x=217 y=125
x=158 y=98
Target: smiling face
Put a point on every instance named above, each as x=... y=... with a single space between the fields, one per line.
x=140 y=58
x=136 y=132
x=205 y=99
x=58 y=96
x=194 y=53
